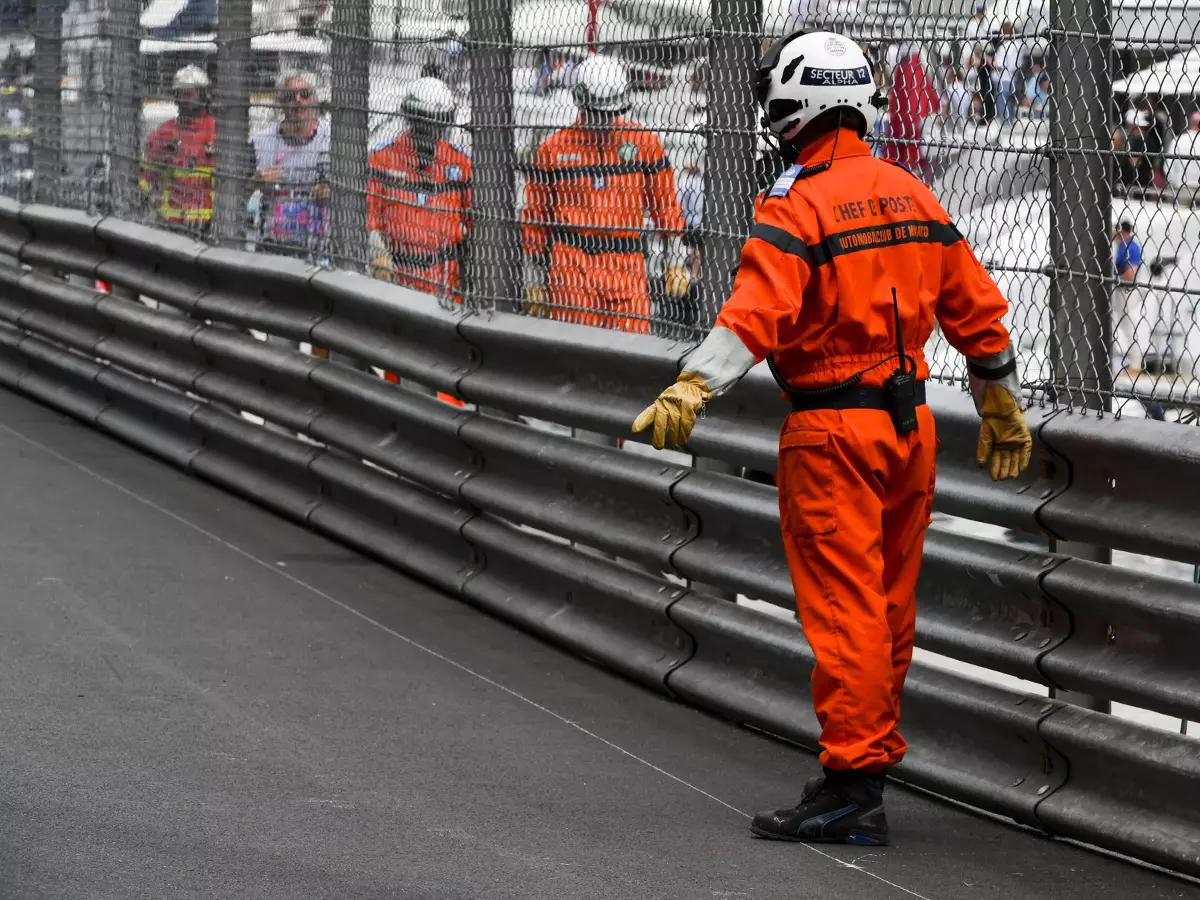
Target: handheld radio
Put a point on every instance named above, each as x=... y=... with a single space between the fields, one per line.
x=902 y=384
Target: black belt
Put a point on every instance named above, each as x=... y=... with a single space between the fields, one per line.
x=424 y=260
x=598 y=245
x=851 y=398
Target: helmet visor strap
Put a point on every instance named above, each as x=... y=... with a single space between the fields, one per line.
x=427 y=129
x=599 y=118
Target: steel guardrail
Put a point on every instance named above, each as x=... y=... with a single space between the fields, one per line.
x=595 y=548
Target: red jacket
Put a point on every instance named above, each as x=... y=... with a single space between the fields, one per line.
x=177 y=169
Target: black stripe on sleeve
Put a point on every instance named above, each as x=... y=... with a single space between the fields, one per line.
x=1001 y=371
x=781 y=240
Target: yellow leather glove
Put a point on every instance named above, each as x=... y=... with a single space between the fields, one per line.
x=537 y=301
x=674 y=412
x=1004 y=437
x=677 y=282
x=381 y=267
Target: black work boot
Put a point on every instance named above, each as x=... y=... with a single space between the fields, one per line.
x=839 y=807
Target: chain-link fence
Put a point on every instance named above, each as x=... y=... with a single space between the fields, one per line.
x=445 y=146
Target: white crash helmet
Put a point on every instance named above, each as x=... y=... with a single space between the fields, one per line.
x=188 y=78
x=809 y=73
x=601 y=85
x=429 y=100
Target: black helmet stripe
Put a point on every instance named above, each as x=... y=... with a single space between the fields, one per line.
x=790 y=69
x=768 y=63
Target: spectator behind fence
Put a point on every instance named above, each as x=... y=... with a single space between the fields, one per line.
x=1129 y=143
x=983 y=61
x=591 y=187
x=1183 y=174
x=1131 y=331
x=910 y=101
x=291 y=176
x=419 y=197
x=1037 y=96
x=177 y=164
x=956 y=97
x=1006 y=79
x=939 y=133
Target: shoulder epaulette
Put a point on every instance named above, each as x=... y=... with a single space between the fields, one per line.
x=784 y=182
x=900 y=165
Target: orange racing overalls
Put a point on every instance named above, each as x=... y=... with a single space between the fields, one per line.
x=855 y=495
x=424 y=213
x=586 y=201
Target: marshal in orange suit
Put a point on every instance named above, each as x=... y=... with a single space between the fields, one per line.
x=590 y=188
x=850 y=263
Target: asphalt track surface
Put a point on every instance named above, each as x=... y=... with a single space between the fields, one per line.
x=199 y=699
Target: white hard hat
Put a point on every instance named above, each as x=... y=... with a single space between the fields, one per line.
x=808 y=73
x=190 y=77
x=602 y=85
x=429 y=99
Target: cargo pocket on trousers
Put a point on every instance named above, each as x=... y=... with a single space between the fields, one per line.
x=932 y=479
x=806 y=464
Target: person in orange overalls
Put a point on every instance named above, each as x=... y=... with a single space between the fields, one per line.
x=419 y=198
x=849 y=263
x=177 y=163
x=419 y=202
x=591 y=186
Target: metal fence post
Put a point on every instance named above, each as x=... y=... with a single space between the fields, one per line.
x=1080 y=201
x=233 y=119
x=729 y=178
x=351 y=86
x=126 y=109
x=1080 y=225
x=47 y=101
x=493 y=269
x=729 y=183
